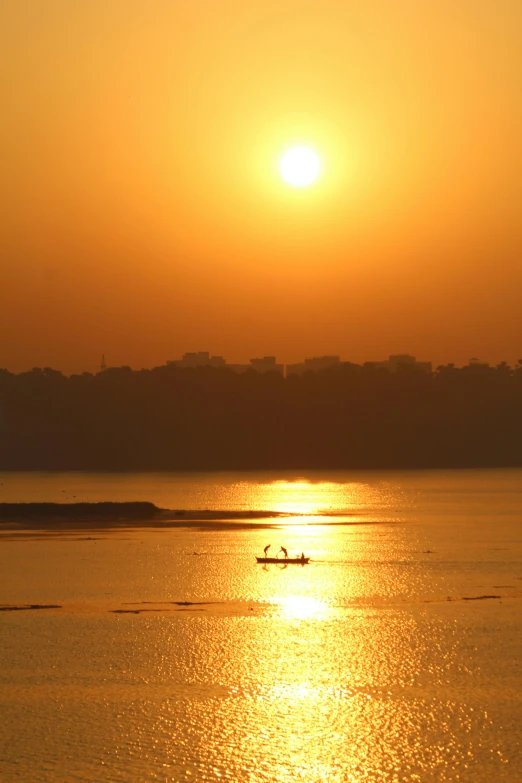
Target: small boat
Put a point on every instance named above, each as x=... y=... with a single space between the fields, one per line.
x=284 y=560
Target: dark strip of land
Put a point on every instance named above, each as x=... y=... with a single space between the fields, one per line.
x=107 y=515
x=105 y=510
x=27 y=607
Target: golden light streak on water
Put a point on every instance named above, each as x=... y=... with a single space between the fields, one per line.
x=309 y=498
x=378 y=662
x=302 y=607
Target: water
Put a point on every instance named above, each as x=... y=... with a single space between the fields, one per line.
x=380 y=661
x=378 y=493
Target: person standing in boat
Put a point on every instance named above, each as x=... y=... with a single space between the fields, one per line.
x=284 y=551
x=265 y=550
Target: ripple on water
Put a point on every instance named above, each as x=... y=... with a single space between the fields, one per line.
x=369 y=694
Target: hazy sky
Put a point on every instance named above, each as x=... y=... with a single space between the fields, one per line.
x=143 y=213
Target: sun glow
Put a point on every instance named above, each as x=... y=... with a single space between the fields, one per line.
x=300 y=166
x=301 y=607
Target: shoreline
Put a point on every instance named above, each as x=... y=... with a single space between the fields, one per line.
x=23 y=518
x=106 y=515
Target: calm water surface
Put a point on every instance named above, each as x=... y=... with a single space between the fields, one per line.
x=174 y=657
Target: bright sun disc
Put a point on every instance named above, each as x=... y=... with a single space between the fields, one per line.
x=300 y=166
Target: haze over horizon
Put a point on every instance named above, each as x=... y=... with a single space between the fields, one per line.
x=144 y=211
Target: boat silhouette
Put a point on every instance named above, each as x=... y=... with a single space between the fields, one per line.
x=284 y=560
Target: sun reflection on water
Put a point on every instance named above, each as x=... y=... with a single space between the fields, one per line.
x=337 y=671
x=303 y=607
x=310 y=498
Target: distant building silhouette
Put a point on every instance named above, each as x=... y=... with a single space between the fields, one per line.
x=204 y=359
x=397 y=361
x=477 y=364
x=199 y=359
x=405 y=360
x=313 y=364
x=267 y=364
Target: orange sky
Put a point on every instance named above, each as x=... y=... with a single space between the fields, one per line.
x=143 y=212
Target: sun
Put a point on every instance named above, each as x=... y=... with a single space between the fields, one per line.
x=300 y=166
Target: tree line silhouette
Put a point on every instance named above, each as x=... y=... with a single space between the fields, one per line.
x=347 y=416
